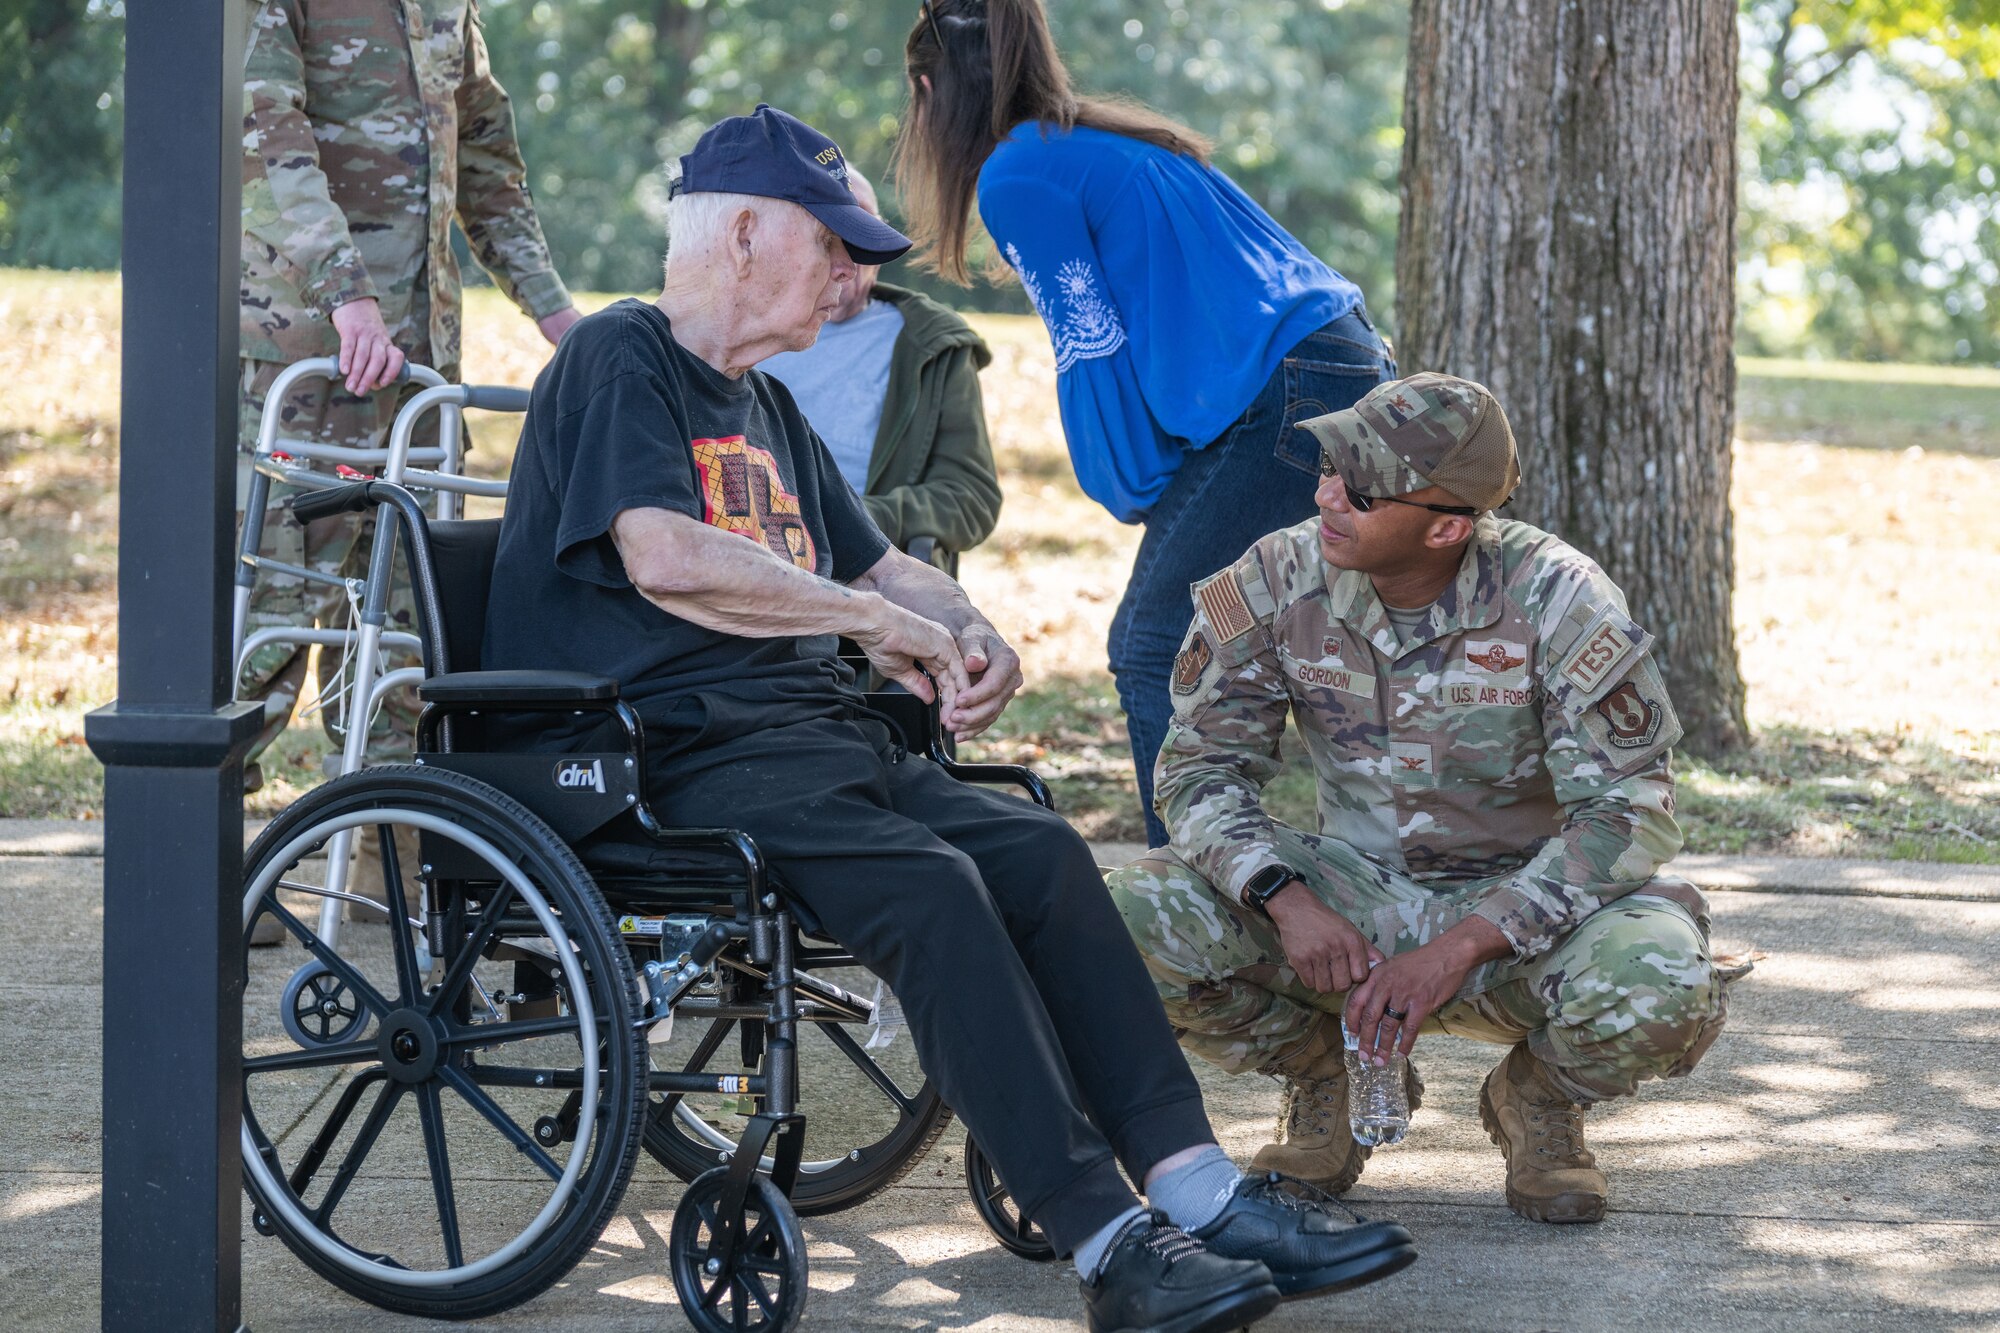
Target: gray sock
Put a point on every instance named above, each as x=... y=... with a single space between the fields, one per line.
x=1195 y=1194
x=1089 y=1256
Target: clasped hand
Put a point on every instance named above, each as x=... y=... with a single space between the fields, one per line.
x=1331 y=955
x=972 y=676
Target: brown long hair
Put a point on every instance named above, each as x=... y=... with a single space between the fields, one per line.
x=992 y=64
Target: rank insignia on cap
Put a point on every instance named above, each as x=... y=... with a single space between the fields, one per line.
x=1221 y=599
x=1632 y=719
x=1192 y=664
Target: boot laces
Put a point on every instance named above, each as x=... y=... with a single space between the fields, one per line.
x=1293 y=1195
x=1170 y=1243
x=1562 y=1130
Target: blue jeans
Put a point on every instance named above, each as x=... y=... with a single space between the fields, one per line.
x=1258 y=477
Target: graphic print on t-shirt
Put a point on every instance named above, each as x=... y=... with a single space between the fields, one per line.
x=743 y=492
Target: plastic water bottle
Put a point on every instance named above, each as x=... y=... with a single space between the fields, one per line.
x=1378 y=1096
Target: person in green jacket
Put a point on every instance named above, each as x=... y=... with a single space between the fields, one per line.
x=892 y=387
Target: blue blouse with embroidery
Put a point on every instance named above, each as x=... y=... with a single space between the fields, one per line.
x=1170 y=296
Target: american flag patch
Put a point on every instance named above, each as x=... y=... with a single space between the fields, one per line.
x=1221 y=599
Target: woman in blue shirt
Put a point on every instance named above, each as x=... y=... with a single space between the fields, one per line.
x=1192 y=333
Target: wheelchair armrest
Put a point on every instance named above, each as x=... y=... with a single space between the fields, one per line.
x=1016 y=775
x=501 y=690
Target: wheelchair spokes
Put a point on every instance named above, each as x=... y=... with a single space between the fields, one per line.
x=446 y=1060
x=870 y=1116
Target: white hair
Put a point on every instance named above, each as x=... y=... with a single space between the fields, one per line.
x=697 y=222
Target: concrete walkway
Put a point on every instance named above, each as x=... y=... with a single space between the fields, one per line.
x=1835 y=1162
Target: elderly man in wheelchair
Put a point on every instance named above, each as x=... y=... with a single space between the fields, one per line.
x=661 y=697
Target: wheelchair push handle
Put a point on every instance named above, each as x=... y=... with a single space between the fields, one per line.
x=349 y=499
x=497 y=398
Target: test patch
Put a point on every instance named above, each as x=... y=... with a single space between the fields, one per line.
x=1605 y=648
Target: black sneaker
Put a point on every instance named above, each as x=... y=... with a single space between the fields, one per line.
x=1292 y=1229
x=1157 y=1279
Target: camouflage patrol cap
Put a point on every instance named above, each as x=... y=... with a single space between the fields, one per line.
x=1427 y=430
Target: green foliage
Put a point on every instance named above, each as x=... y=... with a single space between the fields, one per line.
x=1303 y=96
x=61 y=95
x=1870 y=209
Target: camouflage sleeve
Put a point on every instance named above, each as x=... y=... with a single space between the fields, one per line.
x=1230 y=705
x=286 y=203
x=1610 y=730
x=494 y=206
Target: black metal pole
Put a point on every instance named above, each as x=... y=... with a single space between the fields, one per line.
x=172 y=744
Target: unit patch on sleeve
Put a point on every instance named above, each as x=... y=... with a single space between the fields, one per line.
x=743 y=492
x=1631 y=718
x=1605 y=648
x=1221 y=598
x=1191 y=664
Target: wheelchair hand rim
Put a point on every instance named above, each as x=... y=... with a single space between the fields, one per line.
x=277 y=1195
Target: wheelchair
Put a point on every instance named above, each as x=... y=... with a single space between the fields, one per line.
x=547 y=1002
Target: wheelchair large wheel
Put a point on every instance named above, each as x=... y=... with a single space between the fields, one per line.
x=355 y=1149
x=870 y=1116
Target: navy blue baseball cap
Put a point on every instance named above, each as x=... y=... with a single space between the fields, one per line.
x=778 y=156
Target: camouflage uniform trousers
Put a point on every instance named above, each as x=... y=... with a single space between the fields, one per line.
x=320 y=410
x=1629 y=994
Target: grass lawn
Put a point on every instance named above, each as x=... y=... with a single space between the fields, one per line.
x=1868 y=554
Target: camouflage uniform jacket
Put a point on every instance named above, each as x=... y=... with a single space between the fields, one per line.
x=1516 y=744
x=366 y=123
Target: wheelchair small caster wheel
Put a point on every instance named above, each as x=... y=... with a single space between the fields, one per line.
x=319 y=1008
x=261 y=1223
x=996 y=1209
x=548 y=1131
x=762 y=1288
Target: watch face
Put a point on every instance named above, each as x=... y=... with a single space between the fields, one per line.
x=1267 y=882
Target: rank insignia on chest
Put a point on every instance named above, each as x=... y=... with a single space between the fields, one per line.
x=1632 y=719
x=1190 y=666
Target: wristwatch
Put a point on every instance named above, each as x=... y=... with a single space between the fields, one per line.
x=1264 y=885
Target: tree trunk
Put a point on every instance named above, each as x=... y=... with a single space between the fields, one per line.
x=1567 y=240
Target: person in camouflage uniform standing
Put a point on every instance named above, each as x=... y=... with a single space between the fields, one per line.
x=1491 y=740
x=368 y=125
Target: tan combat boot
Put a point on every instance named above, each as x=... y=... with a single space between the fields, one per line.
x=1315 y=1143
x=1551 y=1175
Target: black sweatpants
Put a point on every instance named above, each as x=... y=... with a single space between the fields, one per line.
x=988 y=918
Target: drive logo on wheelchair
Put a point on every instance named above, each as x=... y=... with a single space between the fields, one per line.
x=575 y=775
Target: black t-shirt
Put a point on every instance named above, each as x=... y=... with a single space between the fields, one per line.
x=623 y=418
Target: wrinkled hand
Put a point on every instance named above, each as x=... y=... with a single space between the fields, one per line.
x=1321 y=945
x=994 y=670
x=554 y=326
x=1415 y=984
x=900 y=641
x=368 y=360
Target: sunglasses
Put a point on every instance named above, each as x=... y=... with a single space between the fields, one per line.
x=1362 y=503
x=930 y=16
